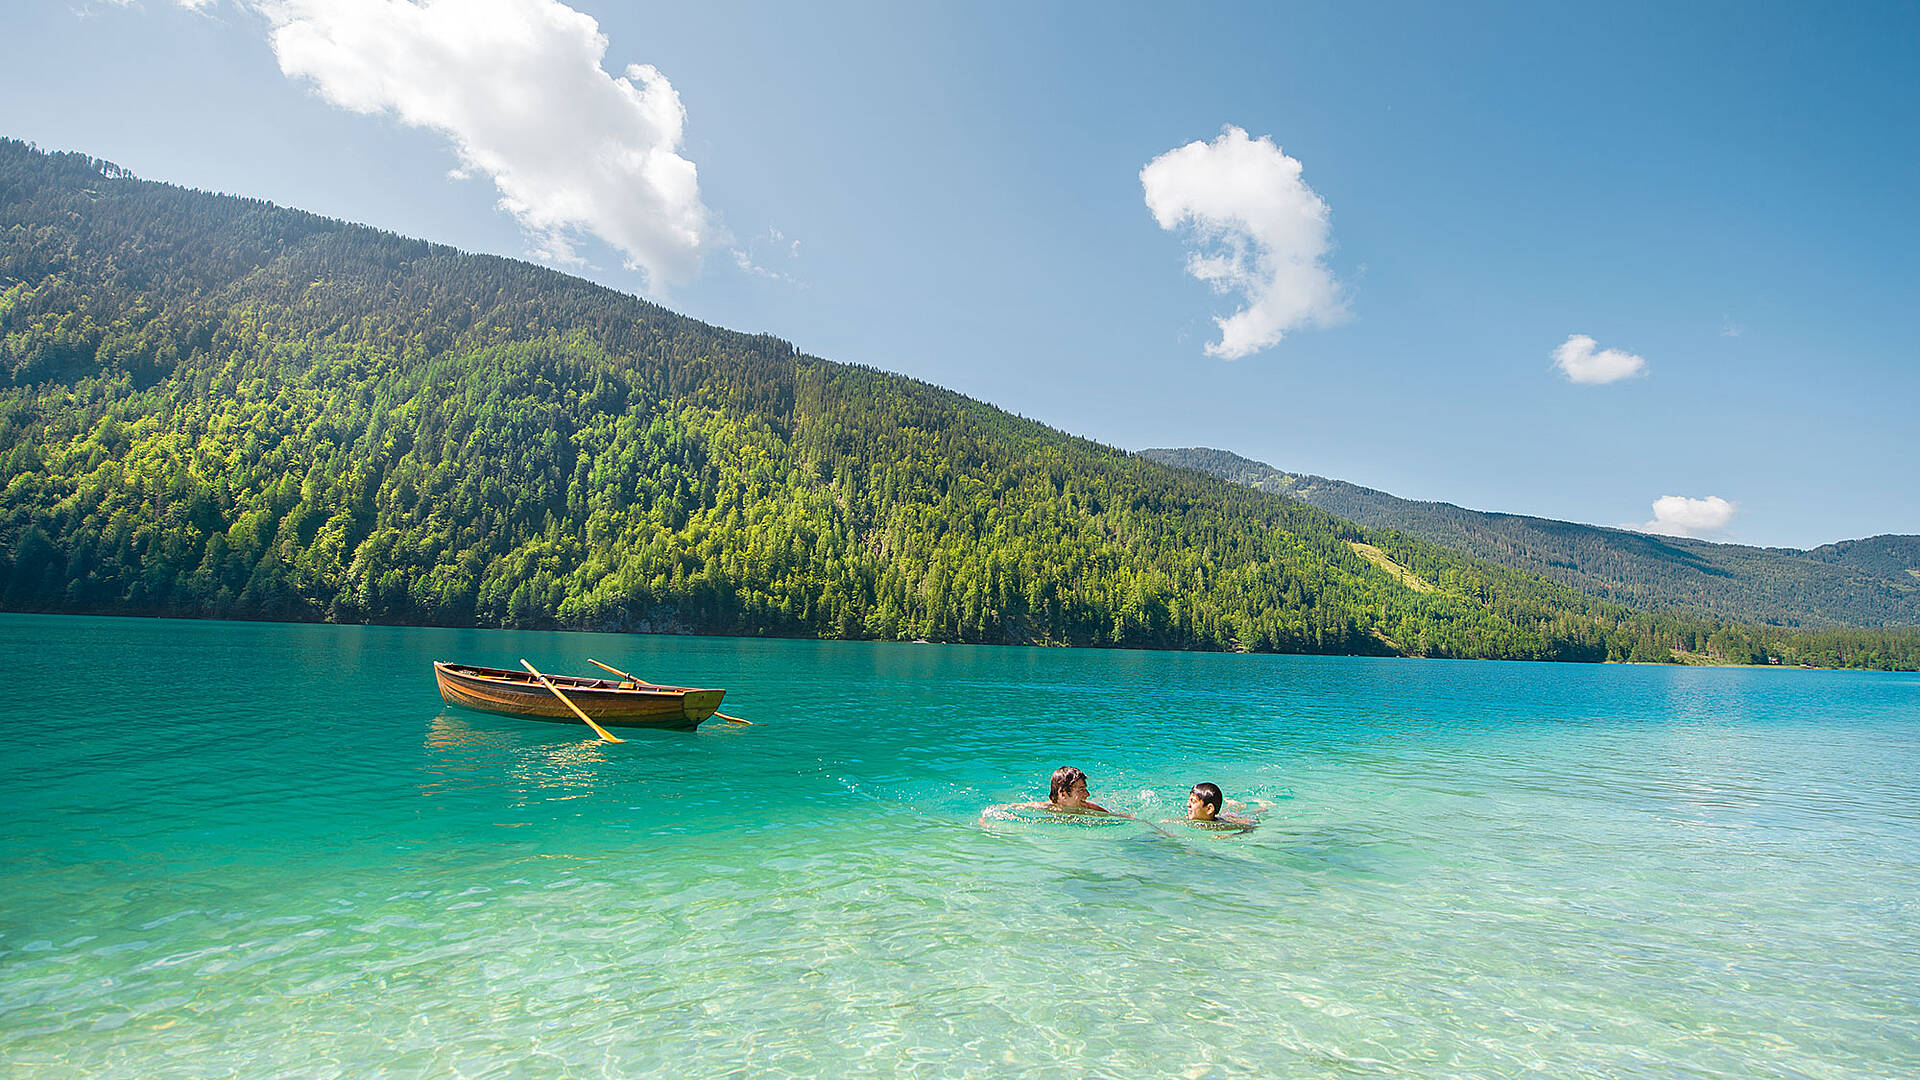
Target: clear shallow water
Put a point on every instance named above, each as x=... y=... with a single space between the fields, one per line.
x=267 y=850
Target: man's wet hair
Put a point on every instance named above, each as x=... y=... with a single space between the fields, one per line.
x=1064 y=778
x=1209 y=794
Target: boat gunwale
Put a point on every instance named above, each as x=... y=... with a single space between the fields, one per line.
x=585 y=684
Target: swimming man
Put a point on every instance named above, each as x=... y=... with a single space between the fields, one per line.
x=1068 y=794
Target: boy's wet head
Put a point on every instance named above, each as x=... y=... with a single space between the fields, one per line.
x=1204 y=801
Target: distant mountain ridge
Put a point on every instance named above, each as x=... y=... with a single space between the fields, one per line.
x=212 y=406
x=1865 y=583
x=1889 y=556
x=216 y=406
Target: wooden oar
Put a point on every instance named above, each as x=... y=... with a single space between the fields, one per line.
x=635 y=679
x=568 y=702
x=638 y=681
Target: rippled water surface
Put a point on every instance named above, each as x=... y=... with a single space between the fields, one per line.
x=265 y=850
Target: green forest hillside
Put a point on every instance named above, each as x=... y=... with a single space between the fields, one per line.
x=1893 y=557
x=214 y=406
x=1872 y=582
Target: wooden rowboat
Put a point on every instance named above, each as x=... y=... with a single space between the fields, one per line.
x=610 y=702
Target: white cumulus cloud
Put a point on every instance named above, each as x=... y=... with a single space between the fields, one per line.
x=1258 y=230
x=1581 y=360
x=517 y=88
x=1678 y=515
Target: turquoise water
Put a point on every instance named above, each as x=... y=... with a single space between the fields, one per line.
x=267 y=850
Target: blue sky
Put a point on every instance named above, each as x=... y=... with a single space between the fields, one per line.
x=1711 y=204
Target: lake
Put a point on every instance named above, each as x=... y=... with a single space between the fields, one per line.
x=261 y=850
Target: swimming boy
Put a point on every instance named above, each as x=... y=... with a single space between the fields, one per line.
x=1204 y=802
x=1204 y=805
x=1068 y=794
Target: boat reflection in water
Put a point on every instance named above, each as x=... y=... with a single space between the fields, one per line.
x=465 y=757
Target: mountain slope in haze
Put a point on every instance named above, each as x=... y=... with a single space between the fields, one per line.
x=1872 y=582
x=1896 y=558
x=215 y=406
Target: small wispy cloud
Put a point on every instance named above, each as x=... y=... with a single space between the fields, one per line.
x=744 y=261
x=1258 y=230
x=1678 y=515
x=190 y=5
x=771 y=243
x=518 y=89
x=1581 y=360
x=1729 y=328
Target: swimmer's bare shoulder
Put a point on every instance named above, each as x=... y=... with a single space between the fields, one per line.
x=1083 y=808
x=1220 y=823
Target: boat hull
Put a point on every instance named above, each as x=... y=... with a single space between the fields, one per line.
x=516 y=693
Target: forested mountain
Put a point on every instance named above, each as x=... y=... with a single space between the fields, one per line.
x=1872 y=582
x=1894 y=557
x=215 y=406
